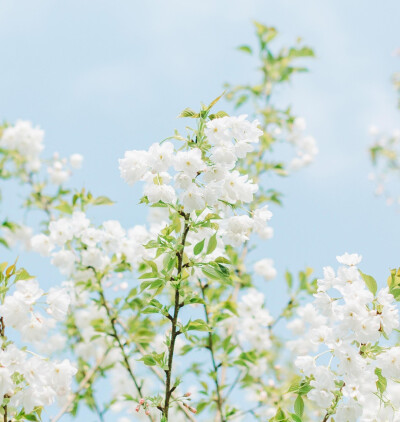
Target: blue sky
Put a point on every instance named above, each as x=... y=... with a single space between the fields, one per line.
x=102 y=77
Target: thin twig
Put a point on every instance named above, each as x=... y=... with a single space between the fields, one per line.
x=116 y=336
x=214 y=364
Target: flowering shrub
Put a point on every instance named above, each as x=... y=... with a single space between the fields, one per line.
x=168 y=317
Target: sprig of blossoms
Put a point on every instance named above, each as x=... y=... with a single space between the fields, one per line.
x=385 y=156
x=204 y=175
x=21 y=147
x=279 y=125
x=29 y=382
x=349 y=366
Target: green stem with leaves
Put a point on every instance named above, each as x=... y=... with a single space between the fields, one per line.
x=174 y=320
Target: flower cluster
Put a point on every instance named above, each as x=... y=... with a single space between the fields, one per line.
x=305 y=145
x=230 y=138
x=253 y=321
x=29 y=382
x=26 y=140
x=346 y=323
x=265 y=268
x=204 y=176
x=81 y=247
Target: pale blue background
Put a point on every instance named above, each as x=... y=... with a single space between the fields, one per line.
x=105 y=76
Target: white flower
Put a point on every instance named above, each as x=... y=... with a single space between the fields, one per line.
x=42 y=244
x=20 y=234
x=61 y=231
x=28 y=291
x=6 y=383
x=193 y=198
x=64 y=260
x=92 y=236
x=14 y=312
x=300 y=124
x=93 y=257
x=58 y=174
x=61 y=376
x=349 y=411
x=25 y=139
x=58 y=300
x=160 y=157
x=237 y=229
x=389 y=362
x=239 y=188
x=133 y=166
x=76 y=161
x=349 y=259
x=189 y=162
x=265 y=268
x=306 y=364
x=160 y=192
x=224 y=156
x=79 y=223
x=36 y=329
x=260 y=218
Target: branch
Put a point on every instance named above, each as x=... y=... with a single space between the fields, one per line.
x=115 y=334
x=220 y=413
x=174 y=322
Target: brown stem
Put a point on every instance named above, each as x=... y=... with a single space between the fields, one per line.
x=174 y=323
x=212 y=352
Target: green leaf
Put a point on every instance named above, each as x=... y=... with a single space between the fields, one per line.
x=245 y=48
x=289 y=279
x=213 y=102
x=199 y=247
x=216 y=272
x=102 y=200
x=299 y=406
x=381 y=383
x=212 y=244
x=197 y=325
x=188 y=112
x=370 y=282
x=22 y=274
x=65 y=208
x=295 y=418
x=148 y=360
x=218 y=115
